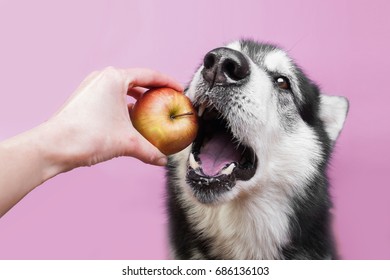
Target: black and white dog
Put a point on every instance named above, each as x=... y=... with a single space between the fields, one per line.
x=253 y=184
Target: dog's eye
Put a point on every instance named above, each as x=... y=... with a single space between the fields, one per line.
x=282 y=82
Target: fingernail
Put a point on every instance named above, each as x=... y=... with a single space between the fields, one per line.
x=162 y=161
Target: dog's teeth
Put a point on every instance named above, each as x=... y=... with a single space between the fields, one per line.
x=201 y=110
x=193 y=163
x=228 y=170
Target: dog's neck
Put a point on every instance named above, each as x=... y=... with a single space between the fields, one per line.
x=252 y=226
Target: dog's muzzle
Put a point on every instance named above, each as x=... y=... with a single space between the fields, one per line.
x=218 y=159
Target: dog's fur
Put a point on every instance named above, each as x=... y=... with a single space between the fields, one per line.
x=278 y=206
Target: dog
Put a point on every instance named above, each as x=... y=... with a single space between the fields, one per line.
x=253 y=184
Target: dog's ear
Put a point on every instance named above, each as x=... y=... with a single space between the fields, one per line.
x=333 y=112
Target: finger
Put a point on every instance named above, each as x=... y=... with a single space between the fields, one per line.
x=130 y=107
x=146 y=152
x=136 y=92
x=142 y=77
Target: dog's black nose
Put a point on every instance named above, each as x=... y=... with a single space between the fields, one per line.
x=224 y=66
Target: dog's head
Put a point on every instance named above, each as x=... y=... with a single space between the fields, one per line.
x=263 y=123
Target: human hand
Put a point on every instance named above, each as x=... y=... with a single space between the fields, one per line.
x=94 y=124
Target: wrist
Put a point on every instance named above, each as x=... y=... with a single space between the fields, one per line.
x=41 y=146
x=57 y=144
x=26 y=161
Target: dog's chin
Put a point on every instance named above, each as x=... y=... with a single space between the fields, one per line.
x=217 y=160
x=212 y=189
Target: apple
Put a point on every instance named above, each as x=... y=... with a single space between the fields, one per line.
x=166 y=118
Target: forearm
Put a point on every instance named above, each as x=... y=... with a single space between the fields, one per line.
x=26 y=161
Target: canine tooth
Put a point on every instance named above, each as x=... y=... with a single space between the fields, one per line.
x=228 y=170
x=201 y=110
x=193 y=163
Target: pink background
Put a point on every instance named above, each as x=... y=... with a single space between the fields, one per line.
x=115 y=210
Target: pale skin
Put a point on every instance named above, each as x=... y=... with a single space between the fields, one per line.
x=91 y=127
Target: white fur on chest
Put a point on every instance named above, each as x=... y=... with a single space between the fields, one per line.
x=251 y=227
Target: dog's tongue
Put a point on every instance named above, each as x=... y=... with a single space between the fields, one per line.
x=216 y=153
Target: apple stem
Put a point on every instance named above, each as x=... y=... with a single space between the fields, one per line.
x=181 y=115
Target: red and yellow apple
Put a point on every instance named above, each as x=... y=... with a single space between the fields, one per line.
x=166 y=118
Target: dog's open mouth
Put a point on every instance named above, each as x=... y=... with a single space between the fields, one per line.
x=217 y=159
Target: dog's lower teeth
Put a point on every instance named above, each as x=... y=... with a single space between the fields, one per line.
x=228 y=170
x=193 y=163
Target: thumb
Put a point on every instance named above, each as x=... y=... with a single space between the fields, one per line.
x=143 y=150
